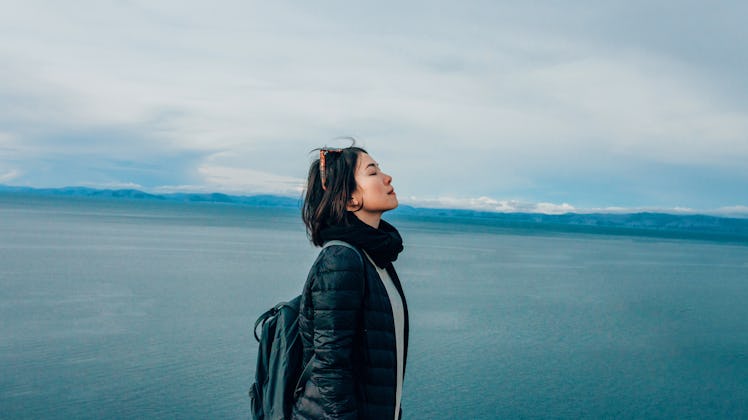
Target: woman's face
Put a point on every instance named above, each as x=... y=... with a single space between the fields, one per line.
x=374 y=188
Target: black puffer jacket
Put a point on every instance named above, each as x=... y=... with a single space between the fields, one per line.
x=348 y=327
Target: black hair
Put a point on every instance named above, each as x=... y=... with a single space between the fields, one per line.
x=328 y=206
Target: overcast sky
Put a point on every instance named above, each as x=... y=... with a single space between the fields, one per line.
x=549 y=106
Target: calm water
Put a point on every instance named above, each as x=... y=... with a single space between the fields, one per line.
x=144 y=310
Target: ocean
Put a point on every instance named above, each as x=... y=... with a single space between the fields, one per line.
x=144 y=309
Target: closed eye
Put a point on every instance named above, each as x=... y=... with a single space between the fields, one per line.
x=374 y=167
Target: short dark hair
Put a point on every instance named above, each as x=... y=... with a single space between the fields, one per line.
x=327 y=206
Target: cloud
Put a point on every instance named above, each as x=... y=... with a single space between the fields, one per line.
x=166 y=189
x=550 y=208
x=639 y=104
x=490 y=204
x=516 y=206
x=731 y=211
x=242 y=180
x=529 y=102
x=115 y=186
x=9 y=176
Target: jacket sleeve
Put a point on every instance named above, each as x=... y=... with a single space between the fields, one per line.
x=336 y=301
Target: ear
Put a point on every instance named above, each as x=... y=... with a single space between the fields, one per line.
x=354 y=203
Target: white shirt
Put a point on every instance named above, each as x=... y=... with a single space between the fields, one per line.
x=398 y=314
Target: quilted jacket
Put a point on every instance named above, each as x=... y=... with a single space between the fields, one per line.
x=347 y=329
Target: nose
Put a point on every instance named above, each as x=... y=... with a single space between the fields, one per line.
x=387 y=179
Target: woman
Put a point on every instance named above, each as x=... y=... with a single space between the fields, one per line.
x=353 y=319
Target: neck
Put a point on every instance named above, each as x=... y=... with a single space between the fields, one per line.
x=371 y=219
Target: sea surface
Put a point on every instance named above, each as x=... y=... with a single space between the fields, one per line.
x=137 y=309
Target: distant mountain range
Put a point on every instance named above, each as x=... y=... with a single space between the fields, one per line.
x=254 y=200
x=646 y=224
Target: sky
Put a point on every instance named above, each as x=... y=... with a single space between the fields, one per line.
x=540 y=106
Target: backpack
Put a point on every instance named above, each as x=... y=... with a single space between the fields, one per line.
x=279 y=376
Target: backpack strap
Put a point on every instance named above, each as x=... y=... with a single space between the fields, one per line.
x=342 y=243
x=347 y=245
x=264 y=317
x=308 y=368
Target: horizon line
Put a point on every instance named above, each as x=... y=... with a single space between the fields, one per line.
x=480 y=204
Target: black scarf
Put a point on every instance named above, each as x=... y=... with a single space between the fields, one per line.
x=381 y=244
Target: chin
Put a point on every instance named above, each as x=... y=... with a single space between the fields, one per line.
x=392 y=206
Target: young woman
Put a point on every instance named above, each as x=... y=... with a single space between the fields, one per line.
x=354 y=318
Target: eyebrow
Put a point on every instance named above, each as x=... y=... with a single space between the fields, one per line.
x=376 y=165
